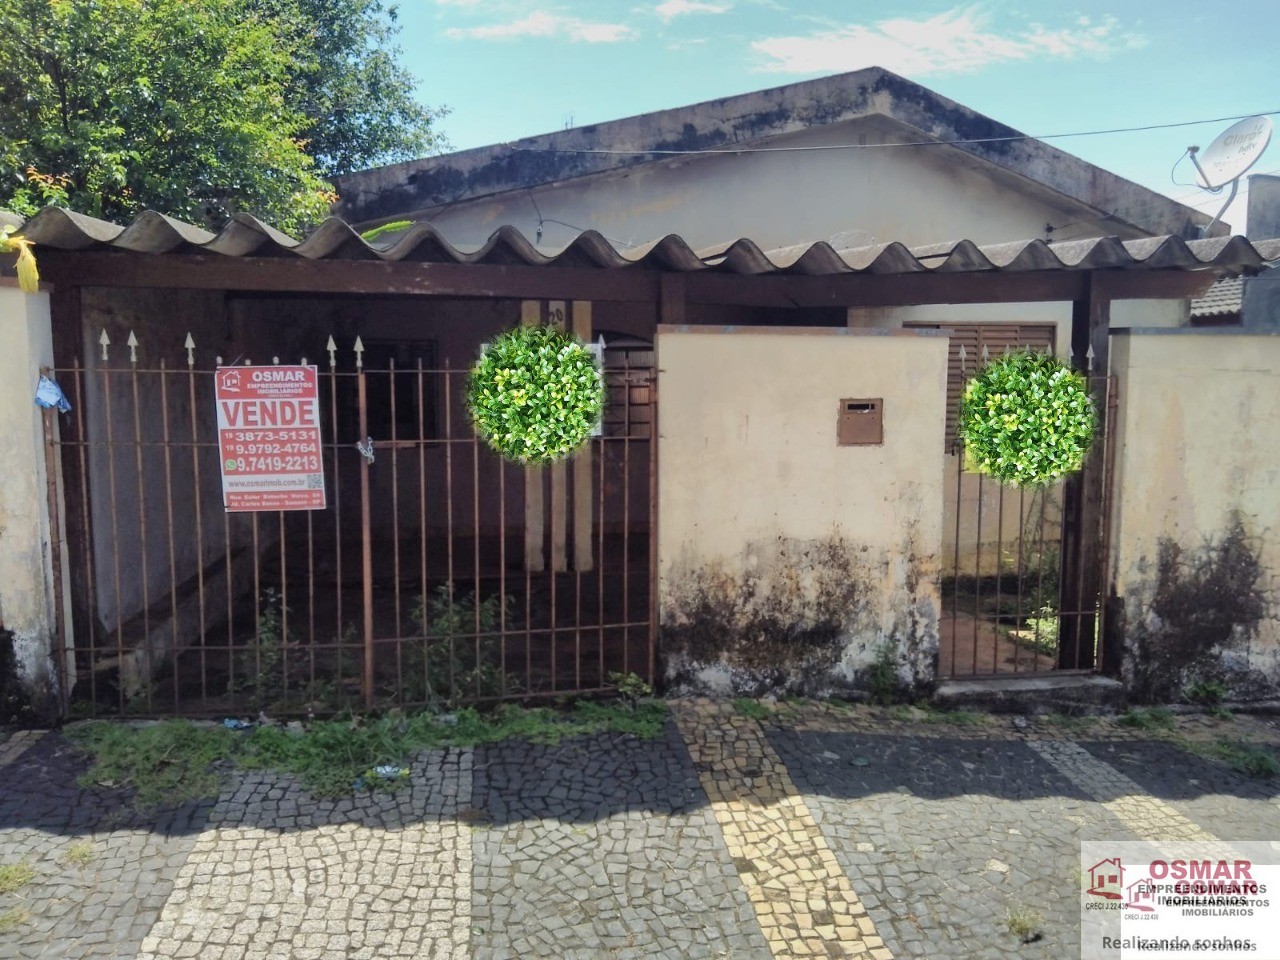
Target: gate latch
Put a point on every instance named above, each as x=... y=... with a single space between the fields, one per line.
x=366 y=449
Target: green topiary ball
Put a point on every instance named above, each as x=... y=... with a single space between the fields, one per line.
x=535 y=394
x=1027 y=419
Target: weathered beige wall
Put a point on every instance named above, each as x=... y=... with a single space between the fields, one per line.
x=1194 y=594
x=26 y=571
x=854 y=197
x=784 y=559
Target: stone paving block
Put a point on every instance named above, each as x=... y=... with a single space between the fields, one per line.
x=354 y=871
x=602 y=847
x=102 y=908
x=929 y=832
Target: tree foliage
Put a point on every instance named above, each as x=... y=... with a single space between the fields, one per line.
x=357 y=99
x=198 y=108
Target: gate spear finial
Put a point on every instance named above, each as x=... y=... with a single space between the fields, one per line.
x=359 y=348
x=333 y=352
x=132 y=343
x=106 y=342
x=190 y=346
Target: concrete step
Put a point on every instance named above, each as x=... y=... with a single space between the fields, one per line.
x=1070 y=693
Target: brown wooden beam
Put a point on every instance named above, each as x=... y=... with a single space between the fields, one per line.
x=376 y=277
x=370 y=277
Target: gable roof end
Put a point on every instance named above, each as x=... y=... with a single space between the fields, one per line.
x=415 y=188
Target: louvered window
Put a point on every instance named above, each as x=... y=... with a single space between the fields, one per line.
x=996 y=338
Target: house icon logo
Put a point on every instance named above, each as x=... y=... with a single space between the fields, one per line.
x=1106 y=879
x=229 y=381
x=1142 y=895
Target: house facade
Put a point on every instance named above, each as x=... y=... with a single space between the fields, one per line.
x=719 y=535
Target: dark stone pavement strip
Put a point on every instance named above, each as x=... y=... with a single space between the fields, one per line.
x=942 y=838
x=105 y=908
x=1228 y=804
x=602 y=848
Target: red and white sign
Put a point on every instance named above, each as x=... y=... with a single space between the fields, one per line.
x=269 y=438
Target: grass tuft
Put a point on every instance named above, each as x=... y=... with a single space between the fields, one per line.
x=1243 y=756
x=751 y=709
x=15 y=876
x=14 y=919
x=177 y=761
x=79 y=854
x=1024 y=923
x=169 y=762
x=1153 y=718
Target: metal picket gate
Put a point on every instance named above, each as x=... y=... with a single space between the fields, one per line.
x=438 y=573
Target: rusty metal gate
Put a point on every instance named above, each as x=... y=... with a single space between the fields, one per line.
x=437 y=574
x=1015 y=598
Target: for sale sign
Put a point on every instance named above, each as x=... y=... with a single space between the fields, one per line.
x=269 y=438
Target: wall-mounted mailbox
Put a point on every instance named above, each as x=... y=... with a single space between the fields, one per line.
x=860 y=422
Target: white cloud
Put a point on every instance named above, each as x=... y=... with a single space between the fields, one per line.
x=957 y=41
x=541 y=23
x=668 y=10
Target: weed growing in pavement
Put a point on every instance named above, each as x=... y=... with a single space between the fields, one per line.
x=15 y=876
x=1251 y=759
x=460 y=654
x=169 y=762
x=175 y=761
x=79 y=854
x=751 y=709
x=1024 y=923
x=1070 y=721
x=14 y=919
x=1154 y=718
x=883 y=683
x=1208 y=693
x=631 y=687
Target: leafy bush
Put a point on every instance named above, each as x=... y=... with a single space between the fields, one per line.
x=1027 y=419
x=462 y=650
x=535 y=394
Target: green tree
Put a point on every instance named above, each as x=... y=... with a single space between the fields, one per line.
x=358 y=99
x=197 y=108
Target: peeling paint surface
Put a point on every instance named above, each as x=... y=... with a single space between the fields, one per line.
x=787 y=563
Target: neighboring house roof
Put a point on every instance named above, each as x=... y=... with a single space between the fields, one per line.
x=1223 y=299
x=153 y=233
x=416 y=188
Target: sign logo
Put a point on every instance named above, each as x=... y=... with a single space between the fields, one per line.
x=1106 y=879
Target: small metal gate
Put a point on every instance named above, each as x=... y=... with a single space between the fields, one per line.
x=438 y=573
x=1013 y=600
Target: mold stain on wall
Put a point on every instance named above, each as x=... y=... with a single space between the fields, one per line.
x=792 y=616
x=1198 y=616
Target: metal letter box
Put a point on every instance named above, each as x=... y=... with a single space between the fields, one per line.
x=860 y=422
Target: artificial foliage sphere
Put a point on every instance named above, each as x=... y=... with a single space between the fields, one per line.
x=536 y=394
x=1027 y=419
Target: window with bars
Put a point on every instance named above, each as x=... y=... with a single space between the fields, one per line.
x=971 y=343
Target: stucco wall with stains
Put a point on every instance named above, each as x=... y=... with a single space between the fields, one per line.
x=786 y=562
x=1196 y=515
x=26 y=573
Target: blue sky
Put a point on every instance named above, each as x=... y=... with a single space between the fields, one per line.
x=514 y=68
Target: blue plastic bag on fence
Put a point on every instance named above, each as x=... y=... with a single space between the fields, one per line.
x=49 y=395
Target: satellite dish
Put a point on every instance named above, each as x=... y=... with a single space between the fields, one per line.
x=1234 y=151
x=1225 y=160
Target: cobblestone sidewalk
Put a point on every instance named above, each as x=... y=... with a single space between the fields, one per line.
x=812 y=831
